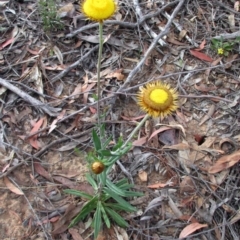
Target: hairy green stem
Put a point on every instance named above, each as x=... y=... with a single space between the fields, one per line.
x=98 y=72
x=135 y=130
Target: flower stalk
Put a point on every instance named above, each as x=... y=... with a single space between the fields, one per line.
x=99 y=70
x=135 y=130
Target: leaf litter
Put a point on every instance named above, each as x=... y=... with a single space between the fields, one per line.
x=183 y=177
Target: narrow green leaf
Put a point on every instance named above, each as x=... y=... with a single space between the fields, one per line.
x=116 y=206
x=118 y=145
x=87 y=208
x=107 y=142
x=92 y=181
x=106 y=153
x=116 y=217
x=103 y=178
x=105 y=216
x=124 y=185
x=96 y=140
x=121 y=182
x=78 y=193
x=114 y=188
x=97 y=220
x=120 y=200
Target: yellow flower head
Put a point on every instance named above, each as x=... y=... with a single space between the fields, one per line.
x=99 y=10
x=157 y=99
x=220 y=51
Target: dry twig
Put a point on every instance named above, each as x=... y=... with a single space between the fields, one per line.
x=51 y=111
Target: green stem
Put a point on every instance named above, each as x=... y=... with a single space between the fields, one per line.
x=135 y=130
x=98 y=71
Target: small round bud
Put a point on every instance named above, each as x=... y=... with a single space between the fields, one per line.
x=97 y=167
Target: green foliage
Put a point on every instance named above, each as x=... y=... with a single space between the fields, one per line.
x=109 y=197
x=48 y=14
x=223 y=48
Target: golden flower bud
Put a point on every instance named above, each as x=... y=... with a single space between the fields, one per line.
x=97 y=167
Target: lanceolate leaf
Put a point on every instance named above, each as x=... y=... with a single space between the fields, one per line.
x=92 y=181
x=97 y=220
x=96 y=140
x=78 y=193
x=116 y=217
x=91 y=205
x=114 y=188
x=105 y=217
x=120 y=200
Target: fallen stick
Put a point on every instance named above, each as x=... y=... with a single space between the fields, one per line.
x=51 y=111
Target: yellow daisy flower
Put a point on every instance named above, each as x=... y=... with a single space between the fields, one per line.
x=99 y=10
x=157 y=99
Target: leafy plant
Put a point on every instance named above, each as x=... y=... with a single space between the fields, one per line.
x=48 y=14
x=223 y=48
x=109 y=197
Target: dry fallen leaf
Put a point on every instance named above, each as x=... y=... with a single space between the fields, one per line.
x=33 y=140
x=191 y=228
x=143 y=176
x=225 y=162
x=40 y=170
x=116 y=74
x=67 y=10
x=162 y=129
x=201 y=47
x=179 y=146
x=161 y=185
x=187 y=185
x=140 y=141
x=12 y=187
x=201 y=56
x=75 y=234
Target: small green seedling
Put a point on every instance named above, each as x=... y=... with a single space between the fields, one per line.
x=224 y=47
x=48 y=14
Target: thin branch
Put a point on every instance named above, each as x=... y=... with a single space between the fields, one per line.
x=75 y=64
x=51 y=111
x=151 y=47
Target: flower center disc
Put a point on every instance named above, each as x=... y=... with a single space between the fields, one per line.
x=100 y=4
x=159 y=96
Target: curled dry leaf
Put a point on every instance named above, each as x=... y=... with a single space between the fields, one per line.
x=58 y=54
x=162 y=129
x=143 y=176
x=227 y=145
x=191 y=228
x=225 y=162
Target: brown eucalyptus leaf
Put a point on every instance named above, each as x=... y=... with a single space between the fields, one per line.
x=191 y=228
x=12 y=187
